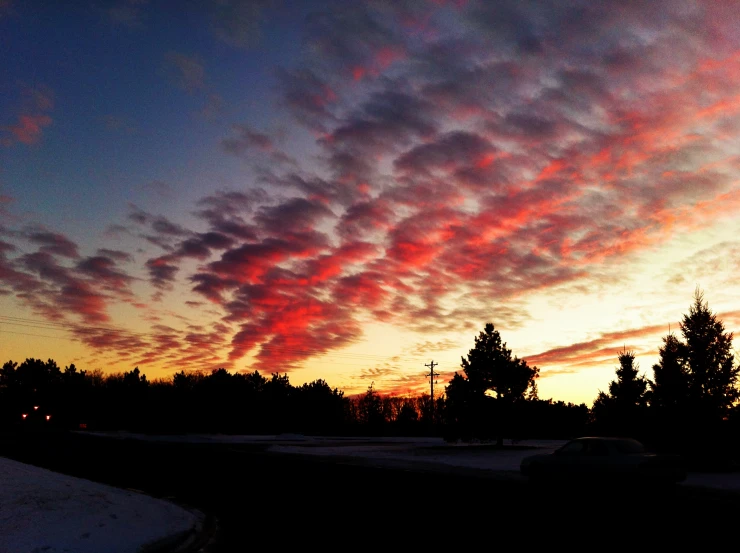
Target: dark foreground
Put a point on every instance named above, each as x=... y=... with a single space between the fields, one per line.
x=266 y=501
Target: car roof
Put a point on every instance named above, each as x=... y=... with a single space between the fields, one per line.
x=606 y=439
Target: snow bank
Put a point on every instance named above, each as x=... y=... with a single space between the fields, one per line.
x=45 y=511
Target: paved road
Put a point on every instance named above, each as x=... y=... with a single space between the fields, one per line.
x=286 y=501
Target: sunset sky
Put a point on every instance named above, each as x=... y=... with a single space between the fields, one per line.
x=347 y=190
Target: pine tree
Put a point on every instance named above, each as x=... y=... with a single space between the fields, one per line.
x=709 y=360
x=669 y=387
x=490 y=367
x=622 y=410
x=628 y=390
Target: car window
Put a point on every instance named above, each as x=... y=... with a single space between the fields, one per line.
x=573 y=448
x=597 y=448
x=627 y=447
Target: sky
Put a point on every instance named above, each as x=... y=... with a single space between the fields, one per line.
x=350 y=190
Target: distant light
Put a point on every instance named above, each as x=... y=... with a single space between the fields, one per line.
x=35 y=407
x=48 y=417
x=83 y=425
x=24 y=415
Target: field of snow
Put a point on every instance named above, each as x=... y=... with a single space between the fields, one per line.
x=43 y=511
x=422 y=452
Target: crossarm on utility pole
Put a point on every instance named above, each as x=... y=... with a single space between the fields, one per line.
x=431 y=375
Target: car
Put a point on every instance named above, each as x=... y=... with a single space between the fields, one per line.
x=605 y=459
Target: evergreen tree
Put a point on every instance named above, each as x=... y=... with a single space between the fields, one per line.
x=490 y=367
x=370 y=409
x=628 y=390
x=710 y=362
x=622 y=410
x=669 y=387
x=459 y=408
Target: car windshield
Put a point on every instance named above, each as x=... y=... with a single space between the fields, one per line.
x=572 y=448
x=629 y=446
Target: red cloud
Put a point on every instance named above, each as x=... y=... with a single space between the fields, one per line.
x=28 y=129
x=30 y=123
x=367 y=290
x=606 y=346
x=300 y=330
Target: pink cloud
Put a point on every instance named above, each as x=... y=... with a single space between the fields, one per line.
x=28 y=129
x=605 y=347
x=31 y=120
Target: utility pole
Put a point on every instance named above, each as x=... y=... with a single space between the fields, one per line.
x=431 y=376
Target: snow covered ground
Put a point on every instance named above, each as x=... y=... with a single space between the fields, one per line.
x=419 y=451
x=43 y=511
x=270 y=439
x=426 y=454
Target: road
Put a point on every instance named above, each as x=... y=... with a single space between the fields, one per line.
x=283 y=500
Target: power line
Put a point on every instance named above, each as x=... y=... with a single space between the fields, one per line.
x=35 y=335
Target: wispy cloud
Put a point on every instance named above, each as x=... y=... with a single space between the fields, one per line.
x=598 y=350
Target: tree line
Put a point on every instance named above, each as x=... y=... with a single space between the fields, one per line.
x=219 y=402
x=692 y=398
x=224 y=402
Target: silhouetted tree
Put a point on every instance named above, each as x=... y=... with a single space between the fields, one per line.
x=182 y=381
x=709 y=361
x=623 y=408
x=7 y=373
x=427 y=409
x=464 y=409
x=551 y=419
x=318 y=407
x=669 y=386
x=408 y=415
x=135 y=380
x=694 y=388
x=370 y=410
x=490 y=367
x=277 y=393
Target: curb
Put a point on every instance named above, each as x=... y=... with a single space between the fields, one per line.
x=193 y=540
